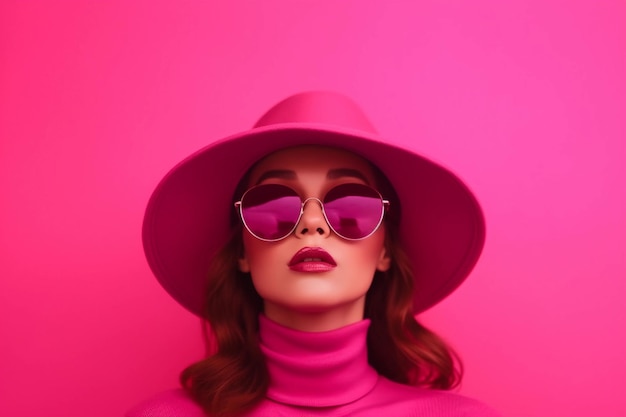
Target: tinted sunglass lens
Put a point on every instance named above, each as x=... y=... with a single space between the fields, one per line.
x=270 y=211
x=353 y=210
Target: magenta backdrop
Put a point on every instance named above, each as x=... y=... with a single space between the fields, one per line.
x=525 y=99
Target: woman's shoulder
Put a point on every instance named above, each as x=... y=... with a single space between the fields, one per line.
x=173 y=403
x=428 y=402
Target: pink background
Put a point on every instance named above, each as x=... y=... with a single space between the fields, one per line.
x=525 y=99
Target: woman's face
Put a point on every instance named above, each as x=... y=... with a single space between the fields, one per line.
x=300 y=291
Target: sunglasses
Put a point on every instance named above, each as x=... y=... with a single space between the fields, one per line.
x=271 y=212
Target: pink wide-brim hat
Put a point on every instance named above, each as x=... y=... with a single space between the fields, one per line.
x=442 y=228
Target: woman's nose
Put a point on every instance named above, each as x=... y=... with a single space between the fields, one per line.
x=312 y=219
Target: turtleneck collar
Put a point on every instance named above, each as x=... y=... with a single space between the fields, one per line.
x=316 y=369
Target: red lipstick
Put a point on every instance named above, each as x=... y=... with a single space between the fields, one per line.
x=312 y=260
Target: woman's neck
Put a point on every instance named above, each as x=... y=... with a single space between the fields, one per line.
x=317 y=319
x=316 y=369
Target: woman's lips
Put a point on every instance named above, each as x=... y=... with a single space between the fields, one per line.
x=312 y=260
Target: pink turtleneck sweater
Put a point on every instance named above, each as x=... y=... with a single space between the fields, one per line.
x=325 y=374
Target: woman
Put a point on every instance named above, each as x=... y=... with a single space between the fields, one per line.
x=308 y=245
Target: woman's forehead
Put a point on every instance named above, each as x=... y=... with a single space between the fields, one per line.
x=308 y=159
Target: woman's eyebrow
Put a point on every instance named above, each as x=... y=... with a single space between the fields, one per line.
x=334 y=174
x=277 y=173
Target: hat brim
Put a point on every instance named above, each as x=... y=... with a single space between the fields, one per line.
x=442 y=228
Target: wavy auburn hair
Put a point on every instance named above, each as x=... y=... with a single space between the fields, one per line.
x=233 y=377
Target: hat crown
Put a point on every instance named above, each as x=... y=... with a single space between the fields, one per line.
x=320 y=108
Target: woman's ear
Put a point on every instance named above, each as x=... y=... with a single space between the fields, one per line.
x=384 y=261
x=244 y=266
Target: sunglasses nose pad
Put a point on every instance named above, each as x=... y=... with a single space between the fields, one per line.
x=313 y=219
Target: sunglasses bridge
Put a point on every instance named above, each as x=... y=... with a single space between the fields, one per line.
x=321 y=204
